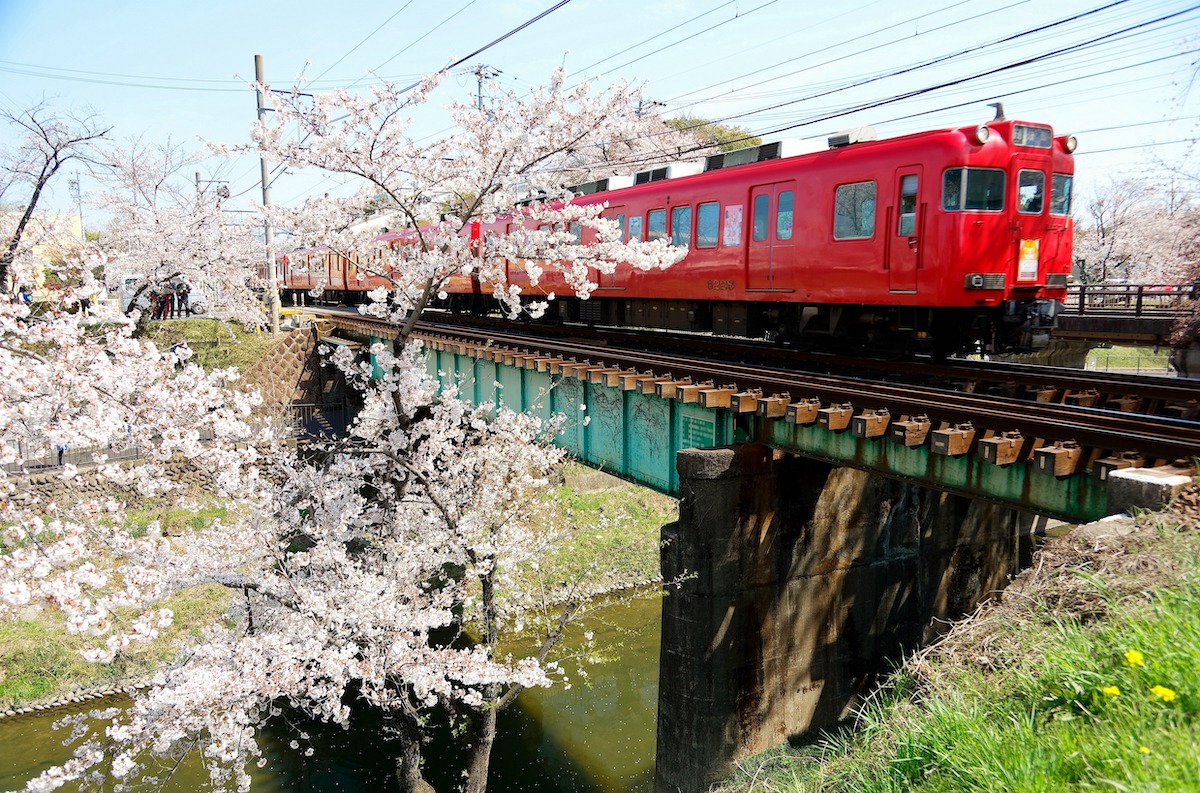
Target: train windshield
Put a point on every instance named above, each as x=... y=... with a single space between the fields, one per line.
x=1031 y=192
x=1060 y=194
x=973 y=190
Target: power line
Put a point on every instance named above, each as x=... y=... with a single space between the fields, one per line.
x=364 y=40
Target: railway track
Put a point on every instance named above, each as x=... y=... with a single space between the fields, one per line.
x=1152 y=418
x=1152 y=437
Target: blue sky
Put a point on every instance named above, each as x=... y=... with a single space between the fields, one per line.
x=1120 y=80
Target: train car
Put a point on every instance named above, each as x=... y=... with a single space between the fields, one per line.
x=947 y=240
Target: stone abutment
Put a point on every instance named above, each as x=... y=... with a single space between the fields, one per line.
x=805 y=581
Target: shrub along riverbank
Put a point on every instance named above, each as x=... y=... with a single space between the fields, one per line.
x=1083 y=675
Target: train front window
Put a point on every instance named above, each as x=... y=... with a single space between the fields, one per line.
x=973 y=190
x=783 y=221
x=708 y=216
x=1060 y=194
x=656 y=224
x=1031 y=192
x=681 y=226
x=854 y=211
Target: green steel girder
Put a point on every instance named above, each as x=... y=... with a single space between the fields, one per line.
x=636 y=436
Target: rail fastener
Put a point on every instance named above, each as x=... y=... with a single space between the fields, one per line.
x=690 y=394
x=836 y=417
x=1003 y=449
x=746 y=401
x=720 y=397
x=774 y=406
x=912 y=431
x=668 y=388
x=649 y=387
x=871 y=423
x=803 y=412
x=953 y=441
x=1106 y=465
x=1062 y=458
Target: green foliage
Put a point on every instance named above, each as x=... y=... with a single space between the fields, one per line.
x=726 y=137
x=214 y=344
x=615 y=529
x=1064 y=702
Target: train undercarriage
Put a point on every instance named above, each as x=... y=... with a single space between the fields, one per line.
x=874 y=331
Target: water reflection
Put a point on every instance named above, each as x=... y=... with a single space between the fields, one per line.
x=597 y=737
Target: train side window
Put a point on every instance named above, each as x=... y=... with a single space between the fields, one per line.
x=681 y=226
x=1060 y=194
x=973 y=190
x=854 y=211
x=635 y=228
x=656 y=224
x=907 y=216
x=708 y=217
x=762 y=211
x=1031 y=191
x=621 y=226
x=783 y=218
x=576 y=232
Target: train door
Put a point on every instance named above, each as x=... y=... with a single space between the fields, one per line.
x=609 y=280
x=1031 y=216
x=904 y=238
x=769 y=259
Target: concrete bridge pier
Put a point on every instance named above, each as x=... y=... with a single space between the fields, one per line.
x=806 y=580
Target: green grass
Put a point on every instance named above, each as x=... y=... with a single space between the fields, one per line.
x=611 y=528
x=1137 y=359
x=39 y=660
x=214 y=344
x=1093 y=685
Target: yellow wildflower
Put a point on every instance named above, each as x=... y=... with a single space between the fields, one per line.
x=1144 y=749
x=1134 y=658
x=1163 y=693
x=1112 y=691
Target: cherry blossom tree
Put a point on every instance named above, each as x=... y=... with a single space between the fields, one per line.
x=166 y=230
x=48 y=141
x=517 y=160
x=384 y=567
x=1136 y=231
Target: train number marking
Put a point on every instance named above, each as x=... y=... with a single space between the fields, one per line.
x=720 y=284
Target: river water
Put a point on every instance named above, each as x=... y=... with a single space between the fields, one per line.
x=596 y=737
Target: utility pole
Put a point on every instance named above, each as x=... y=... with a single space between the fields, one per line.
x=482 y=72
x=272 y=280
x=73 y=186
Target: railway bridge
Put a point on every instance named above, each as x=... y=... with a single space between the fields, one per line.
x=821 y=533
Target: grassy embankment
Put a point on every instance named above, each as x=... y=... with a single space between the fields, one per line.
x=1084 y=675
x=39 y=661
x=1129 y=359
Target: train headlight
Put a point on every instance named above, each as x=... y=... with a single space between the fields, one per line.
x=1069 y=143
x=982 y=133
x=976 y=281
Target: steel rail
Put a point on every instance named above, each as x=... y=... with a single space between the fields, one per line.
x=1153 y=436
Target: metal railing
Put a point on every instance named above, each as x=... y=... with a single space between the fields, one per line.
x=35 y=456
x=1135 y=300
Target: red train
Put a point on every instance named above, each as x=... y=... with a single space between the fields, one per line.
x=948 y=240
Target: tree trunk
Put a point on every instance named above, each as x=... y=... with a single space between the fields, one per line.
x=408 y=767
x=481 y=753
